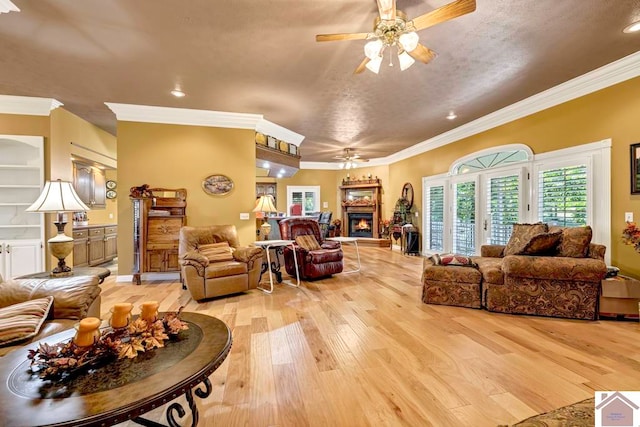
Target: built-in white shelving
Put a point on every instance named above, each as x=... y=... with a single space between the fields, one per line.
x=21 y=180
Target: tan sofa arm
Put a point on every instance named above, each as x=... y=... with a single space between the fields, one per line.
x=597 y=251
x=195 y=259
x=491 y=251
x=554 y=268
x=248 y=255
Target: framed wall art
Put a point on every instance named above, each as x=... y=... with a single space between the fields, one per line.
x=635 y=168
x=217 y=185
x=272 y=142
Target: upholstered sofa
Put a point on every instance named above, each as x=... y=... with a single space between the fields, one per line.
x=214 y=264
x=316 y=257
x=557 y=273
x=71 y=298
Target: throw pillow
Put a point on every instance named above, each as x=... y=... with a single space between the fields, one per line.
x=521 y=235
x=575 y=241
x=453 y=259
x=216 y=252
x=541 y=244
x=22 y=321
x=308 y=242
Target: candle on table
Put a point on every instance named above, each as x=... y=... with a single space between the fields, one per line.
x=149 y=311
x=120 y=314
x=88 y=332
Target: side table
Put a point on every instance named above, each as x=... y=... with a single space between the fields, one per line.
x=101 y=272
x=352 y=240
x=273 y=267
x=620 y=297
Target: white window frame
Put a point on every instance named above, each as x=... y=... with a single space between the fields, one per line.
x=303 y=189
x=446 y=237
x=597 y=157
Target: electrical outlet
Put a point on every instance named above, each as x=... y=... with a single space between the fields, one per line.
x=628 y=216
x=244 y=215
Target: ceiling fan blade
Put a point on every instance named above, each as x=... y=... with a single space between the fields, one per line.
x=342 y=36
x=387 y=9
x=422 y=54
x=444 y=13
x=361 y=67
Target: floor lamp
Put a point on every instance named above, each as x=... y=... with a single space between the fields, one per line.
x=59 y=197
x=265 y=205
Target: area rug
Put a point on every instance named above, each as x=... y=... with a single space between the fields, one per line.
x=581 y=414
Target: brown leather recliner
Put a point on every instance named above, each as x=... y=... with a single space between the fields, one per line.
x=315 y=263
x=204 y=275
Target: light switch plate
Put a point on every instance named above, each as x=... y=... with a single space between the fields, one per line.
x=628 y=216
x=325 y=205
x=244 y=215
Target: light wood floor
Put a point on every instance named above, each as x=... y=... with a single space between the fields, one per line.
x=361 y=349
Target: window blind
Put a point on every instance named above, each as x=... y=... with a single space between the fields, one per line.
x=464 y=224
x=563 y=196
x=435 y=203
x=503 y=207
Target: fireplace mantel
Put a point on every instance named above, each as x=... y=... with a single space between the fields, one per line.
x=362 y=197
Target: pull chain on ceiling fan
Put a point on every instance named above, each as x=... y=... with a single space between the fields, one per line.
x=392 y=29
x=350 y=160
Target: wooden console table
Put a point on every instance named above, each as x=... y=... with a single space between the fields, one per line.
x=121 y=391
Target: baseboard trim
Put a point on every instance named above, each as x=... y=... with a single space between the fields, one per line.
x=149 y=277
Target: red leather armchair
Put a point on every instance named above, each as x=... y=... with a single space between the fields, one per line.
x=312 y=264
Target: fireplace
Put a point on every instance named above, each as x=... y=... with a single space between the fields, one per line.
x=360 y=224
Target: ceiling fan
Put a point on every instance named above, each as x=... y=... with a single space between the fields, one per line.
x=393 y=28
x=349 y=160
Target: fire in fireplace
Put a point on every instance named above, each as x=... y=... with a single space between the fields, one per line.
x=360 y=225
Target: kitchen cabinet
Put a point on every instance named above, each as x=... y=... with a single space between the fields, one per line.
x=89 y=182
x=94 y=245
x=21 y=180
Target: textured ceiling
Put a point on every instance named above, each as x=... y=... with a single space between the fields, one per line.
x=261 y=57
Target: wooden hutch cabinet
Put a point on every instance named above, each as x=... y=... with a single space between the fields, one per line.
x=158 y=215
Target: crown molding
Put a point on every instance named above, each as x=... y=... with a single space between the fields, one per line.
x=608 y=75
x=190 y=117
x=29 y=105
x=269 y=128
x=183 y=116
x=6 y=6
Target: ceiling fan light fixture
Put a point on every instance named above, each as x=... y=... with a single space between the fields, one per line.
x=405 y=60
x=374 y=64
x=451 y=115
x=178 y=93
x=635 y=27
x=409 y=41
x=373 y=49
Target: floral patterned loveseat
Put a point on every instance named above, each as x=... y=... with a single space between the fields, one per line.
x=545 y=271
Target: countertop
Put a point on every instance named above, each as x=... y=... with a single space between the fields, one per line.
x=81 y=227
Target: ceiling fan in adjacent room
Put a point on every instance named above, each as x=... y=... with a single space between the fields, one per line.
x=350 y=160
x=393 y=28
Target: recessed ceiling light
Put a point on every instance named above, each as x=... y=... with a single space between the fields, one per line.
x=451 y=115
x=177 y=93
x=266 y=165
x=279 y=175
x=282 y=171
x=632 y=28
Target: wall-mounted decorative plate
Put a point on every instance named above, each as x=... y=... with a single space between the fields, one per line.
x=217 y=185
x=111 y=184
x=111 y=194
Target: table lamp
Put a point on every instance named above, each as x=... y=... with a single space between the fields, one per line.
x=59 y=197
x=265 y=205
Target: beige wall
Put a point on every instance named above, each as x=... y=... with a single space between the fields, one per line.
x=174 y=156
x=609 y=113
x=326 y=179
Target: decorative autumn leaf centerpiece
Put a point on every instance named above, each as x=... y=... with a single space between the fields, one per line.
x=57 y=362
x=631 y=235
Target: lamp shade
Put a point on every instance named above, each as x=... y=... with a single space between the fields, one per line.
x=58 y=196
x=374 y=64
x=409 y=41
x=405 y=60
x=265 y=204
